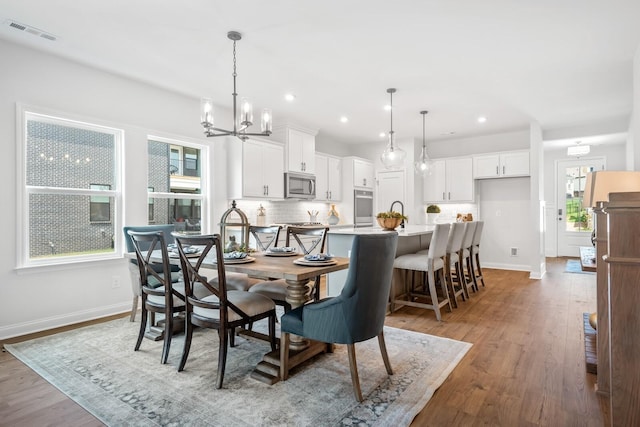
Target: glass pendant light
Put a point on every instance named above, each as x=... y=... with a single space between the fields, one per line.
x=423 y=165
x=393 y=156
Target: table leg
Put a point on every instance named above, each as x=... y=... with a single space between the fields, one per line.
x=297 y=295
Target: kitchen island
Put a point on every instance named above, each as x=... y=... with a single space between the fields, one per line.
x=411 y=239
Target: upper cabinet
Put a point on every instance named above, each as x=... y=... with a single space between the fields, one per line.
x=300 y=148
x=328 y=178
x=363 y=176
x=501 y=165
x=255 y=170
x=451 y=180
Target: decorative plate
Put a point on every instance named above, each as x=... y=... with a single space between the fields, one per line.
x=244 y=260
x=302 y=261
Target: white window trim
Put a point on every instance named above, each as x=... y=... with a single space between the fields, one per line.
x=23 y=191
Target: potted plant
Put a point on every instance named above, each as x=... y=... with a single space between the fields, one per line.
x=390 y=220
x=432 y=213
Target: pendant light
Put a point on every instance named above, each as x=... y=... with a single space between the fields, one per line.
x=393 y=156
x=423 y=165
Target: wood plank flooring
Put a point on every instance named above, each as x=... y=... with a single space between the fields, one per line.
x=526 y=367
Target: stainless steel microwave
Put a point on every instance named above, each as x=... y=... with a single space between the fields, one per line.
x=299 y=186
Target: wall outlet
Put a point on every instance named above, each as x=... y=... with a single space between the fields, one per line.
x=115 y=282
x=514 y=251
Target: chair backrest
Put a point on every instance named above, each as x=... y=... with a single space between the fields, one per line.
x=439 y=239
x=295 y=233
x=366 y=290
x=166 y=229
x=469 y=229
x=455 y=237
x=154 y=280
x=478 y=233
x=265 y=236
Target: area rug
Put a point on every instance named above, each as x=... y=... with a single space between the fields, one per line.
x=573 y=266
x=97 y=367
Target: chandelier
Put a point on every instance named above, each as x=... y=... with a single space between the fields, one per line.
x=423 y=165
x=242 y=119
x=392 y=157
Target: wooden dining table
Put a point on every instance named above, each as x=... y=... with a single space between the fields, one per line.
x=297 y=278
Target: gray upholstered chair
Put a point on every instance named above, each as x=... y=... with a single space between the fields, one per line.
x=223 y=309
x=159 y=293
x=134 y=272
x=469 y=278
x=357 y=314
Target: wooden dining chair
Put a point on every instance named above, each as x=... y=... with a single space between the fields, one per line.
x=357 y=314
x=277 y=289
x=159 y=293
x=467 y=251
x=475 y=254
x=224 y=309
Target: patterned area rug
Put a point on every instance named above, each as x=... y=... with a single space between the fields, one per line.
x=573 y=266
x=97 y=367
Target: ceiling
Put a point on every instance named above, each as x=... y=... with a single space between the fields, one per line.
x=561 y=63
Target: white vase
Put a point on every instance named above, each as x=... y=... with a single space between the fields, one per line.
x=431 y=218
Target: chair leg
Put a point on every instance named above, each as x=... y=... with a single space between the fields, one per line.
x=222 y=356
x=284 y=356
x=472 y=275
x=383 y=350
x=187 y=343
x=443 y=286
x=353 y=367
x=232 y=337
x=272 y=331
x=134 y=309
x=434 y=295
x=168 y=334
x=476 y=264
x=143 y=326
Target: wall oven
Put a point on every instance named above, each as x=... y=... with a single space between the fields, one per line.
x=299 y=186
x=362 y=208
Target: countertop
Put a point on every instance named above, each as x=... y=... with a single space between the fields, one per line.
x=409 y=230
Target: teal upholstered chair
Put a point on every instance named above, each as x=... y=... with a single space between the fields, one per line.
x=357 y=314
x=136 y=285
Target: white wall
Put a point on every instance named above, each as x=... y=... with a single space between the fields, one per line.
x=42 y=298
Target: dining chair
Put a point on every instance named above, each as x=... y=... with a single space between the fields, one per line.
x=159 y=293
x=265 y=237
x=433 y=264
x=469 y=280
x=277 y=289
x=475 y=254
x=136 y=285
x=224 y=309
x=357 y=314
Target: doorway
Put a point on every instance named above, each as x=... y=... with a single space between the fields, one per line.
x=574 y=223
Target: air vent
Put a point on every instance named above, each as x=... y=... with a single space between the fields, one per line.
x=31 y=30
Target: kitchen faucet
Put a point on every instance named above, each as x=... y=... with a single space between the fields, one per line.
x=401 y=211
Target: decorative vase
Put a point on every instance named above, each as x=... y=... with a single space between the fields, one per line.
x=431 y=218
x=334 y=216
x=389 y=224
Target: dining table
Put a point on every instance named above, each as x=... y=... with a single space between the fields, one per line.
x=297 y=277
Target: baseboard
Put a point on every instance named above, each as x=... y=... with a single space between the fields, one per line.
x=501 y=266
x=38 y=325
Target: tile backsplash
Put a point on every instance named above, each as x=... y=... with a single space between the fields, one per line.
x=284 y=211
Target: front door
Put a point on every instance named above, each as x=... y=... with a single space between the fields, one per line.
x=574 y=222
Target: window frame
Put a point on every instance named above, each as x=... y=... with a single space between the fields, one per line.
x=25 y=113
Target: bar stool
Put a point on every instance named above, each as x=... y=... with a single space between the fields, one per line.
x=468 y=278
x=475 y=254
x=433 y=264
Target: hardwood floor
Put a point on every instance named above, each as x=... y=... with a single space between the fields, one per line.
x=526 y=366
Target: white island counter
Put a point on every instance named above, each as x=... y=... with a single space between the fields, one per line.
x=410 y=240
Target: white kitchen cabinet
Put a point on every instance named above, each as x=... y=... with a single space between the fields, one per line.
x=300 y=148
x=256 y=170
x=328 y=178
x=450 y=181
x=363 y=176
x=501 y=165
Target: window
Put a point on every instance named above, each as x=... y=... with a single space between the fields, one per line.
x=175 y=183
x=150 y=206
x=65 y=216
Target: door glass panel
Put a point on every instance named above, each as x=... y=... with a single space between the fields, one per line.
x=578 y=218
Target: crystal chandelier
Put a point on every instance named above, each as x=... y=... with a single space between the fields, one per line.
x=423 y=165
x=393 y=156
x=245 y=119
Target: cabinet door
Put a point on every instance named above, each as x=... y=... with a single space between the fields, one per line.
x=486 y=166
x=515 y=164
x=390 y=189
x=308 y=153
x=322 y=177
x=294 y=150
x=459 y=179
x=273 y=170
x=252 y=182
x=362 y=174
x=435 y=183
x=334 y=178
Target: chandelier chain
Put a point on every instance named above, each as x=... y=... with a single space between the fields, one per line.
x=234 y=59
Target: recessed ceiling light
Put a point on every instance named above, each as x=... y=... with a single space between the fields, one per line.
x=382 y=134
x=344 y=119
x=387 y=107
x=290 y=97
x=482 y=119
